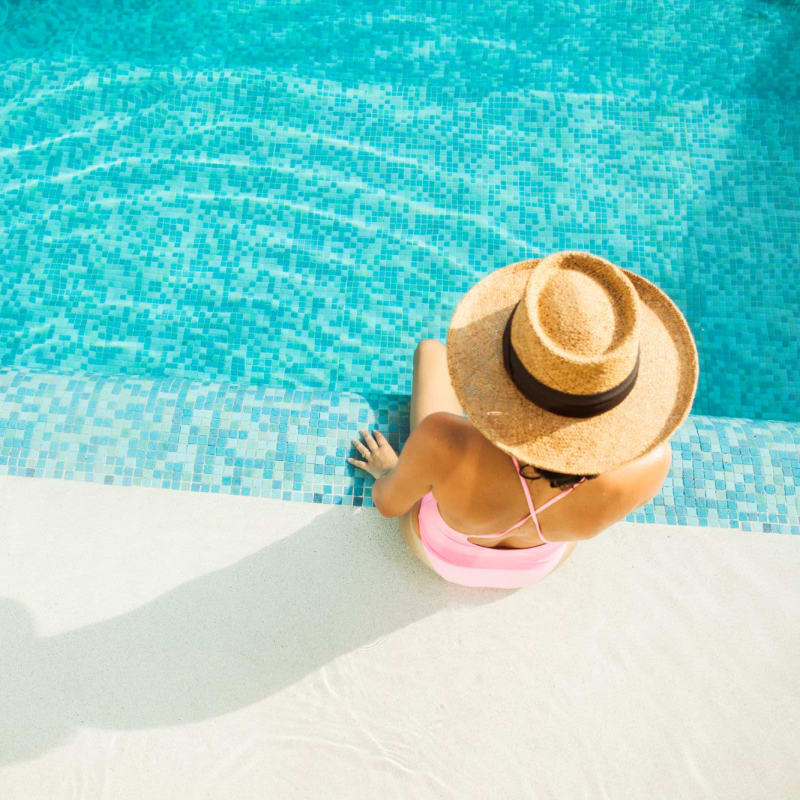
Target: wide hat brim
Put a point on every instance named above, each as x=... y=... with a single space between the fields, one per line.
x=656 y=406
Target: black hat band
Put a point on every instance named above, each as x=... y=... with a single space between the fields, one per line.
x=568 y=405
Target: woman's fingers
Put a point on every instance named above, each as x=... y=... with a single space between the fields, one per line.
x=357 y=463
x=379 y=438
x=371 y=443
x=360 y=447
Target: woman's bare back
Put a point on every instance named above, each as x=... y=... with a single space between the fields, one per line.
x=483 y=495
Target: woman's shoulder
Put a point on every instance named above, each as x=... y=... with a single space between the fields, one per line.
x=617 y=493
x=450 y=429
x=643 y=477
x=450 y=436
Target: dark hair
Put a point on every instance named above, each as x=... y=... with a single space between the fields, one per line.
x=557 y=479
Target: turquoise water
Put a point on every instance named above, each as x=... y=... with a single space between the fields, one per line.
x=292 y=195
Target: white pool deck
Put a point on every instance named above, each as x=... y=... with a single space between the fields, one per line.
x=164 y=644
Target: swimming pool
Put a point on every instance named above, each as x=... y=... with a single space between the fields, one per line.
x=224 y=226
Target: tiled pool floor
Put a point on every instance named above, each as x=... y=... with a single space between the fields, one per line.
x=292 y=445
x=258 y=227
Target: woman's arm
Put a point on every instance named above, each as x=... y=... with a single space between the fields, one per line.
x=417 y=467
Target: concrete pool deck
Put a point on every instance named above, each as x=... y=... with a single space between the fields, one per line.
x=159 y=643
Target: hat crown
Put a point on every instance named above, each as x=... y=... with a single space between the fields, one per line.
x=579 y=327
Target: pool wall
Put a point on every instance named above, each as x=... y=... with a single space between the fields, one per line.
x=291 y=445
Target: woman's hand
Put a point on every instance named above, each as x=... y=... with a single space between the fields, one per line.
x=379 y=456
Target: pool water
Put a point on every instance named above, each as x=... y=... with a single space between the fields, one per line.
x=294 y=194
x=278 y=200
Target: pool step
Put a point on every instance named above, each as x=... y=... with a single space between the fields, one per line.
x=292 y=445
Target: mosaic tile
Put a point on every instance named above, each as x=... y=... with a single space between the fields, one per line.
x=214 y=197
x=292 y=445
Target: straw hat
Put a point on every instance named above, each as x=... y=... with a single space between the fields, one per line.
x=571 y=363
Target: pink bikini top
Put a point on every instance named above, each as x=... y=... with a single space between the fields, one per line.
x=532 y=514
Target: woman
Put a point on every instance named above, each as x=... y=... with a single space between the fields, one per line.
x=573 y=373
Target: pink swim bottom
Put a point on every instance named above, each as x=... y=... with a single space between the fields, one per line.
x=460 y=561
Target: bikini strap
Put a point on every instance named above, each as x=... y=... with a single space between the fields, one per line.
x=527 y=496
x=533 y=511
x=560 y=495
x=516 y=524
x=542 y=507
x=496 y=535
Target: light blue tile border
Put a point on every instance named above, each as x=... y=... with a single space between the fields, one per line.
x=291 y=445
